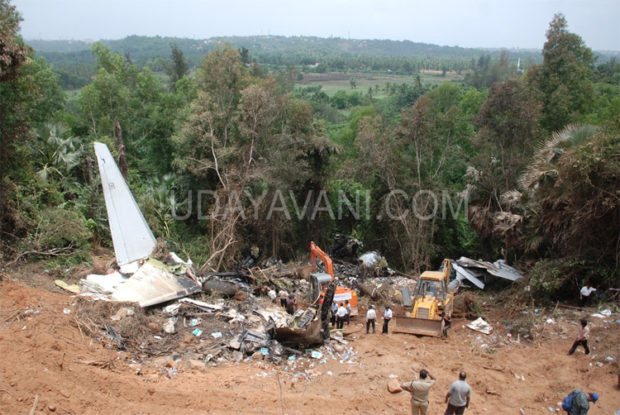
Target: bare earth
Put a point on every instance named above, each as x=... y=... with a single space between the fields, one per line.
x=45 y=354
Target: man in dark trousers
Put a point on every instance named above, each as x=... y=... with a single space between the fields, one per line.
x=371 y=317
x=387 y=316
x=458 y=396
x=582 y=338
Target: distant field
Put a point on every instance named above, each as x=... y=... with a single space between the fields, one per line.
x=336 y=81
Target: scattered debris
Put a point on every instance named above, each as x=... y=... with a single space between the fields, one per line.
x=479 y=273
x=74 y=288
x=152 y=284
x=480 y=325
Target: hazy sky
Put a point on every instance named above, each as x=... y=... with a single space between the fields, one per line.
x=468 y=23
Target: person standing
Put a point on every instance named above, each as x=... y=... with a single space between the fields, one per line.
x=341 y=314
x=348 y=307
x=371 y=317
x=419 y=390
x=334 y=312
x=387 y=316
x=584 y=294
x=283 y=295
x=582 y=338
x=447 y=323
x=458 y=396
x=291 y=304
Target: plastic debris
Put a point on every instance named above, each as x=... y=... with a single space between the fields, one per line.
x=197 y=332
x=216 y=335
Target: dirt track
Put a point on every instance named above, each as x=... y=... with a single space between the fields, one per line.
x=46 y=355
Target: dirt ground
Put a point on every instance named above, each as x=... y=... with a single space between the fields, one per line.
x=51 y=365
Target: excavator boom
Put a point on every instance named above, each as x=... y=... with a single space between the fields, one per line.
x=318 y=280
x=315 y=252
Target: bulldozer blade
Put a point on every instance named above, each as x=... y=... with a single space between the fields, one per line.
x=420 y=326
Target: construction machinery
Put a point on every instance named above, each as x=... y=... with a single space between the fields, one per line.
x=320 y=280
x=431 y=304
x=309 y=326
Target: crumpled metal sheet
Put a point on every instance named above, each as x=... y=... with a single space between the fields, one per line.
x=154 y=284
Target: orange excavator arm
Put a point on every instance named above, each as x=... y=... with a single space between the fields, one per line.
x=315 y=252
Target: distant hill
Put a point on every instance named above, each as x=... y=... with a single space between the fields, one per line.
x=143 y=48
x=72 y=59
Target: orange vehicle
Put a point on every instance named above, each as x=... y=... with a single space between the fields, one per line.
x=320 y=280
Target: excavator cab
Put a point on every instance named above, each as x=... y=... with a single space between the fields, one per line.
x=319 y=281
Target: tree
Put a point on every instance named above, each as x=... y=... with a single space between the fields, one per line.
x=244 y=55
x=177 y=67
x=29 y=94
x=13 y=127
x=563 y=82
x=508 y=124
x=12 y=50
x=572 y=185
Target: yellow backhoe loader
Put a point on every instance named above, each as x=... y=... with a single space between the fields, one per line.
x=432 y=301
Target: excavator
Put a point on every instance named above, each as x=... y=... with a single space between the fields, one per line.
x=320 y=280
x=432 y=301
x=311 y=326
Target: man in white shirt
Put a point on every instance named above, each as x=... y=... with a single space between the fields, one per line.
x=371 y=317
x=584 y=294
x=341 y=314
x=283 y=295
x=458 y=396
x=387 y=316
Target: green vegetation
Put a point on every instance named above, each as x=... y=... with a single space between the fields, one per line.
x=419 y=151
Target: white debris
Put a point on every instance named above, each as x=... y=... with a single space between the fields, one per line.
x=172 y=309
x=480 y=325
x=169 y=325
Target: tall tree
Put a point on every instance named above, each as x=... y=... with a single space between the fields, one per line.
x=563 y=80
x=177 y=67
x=13 y=127
x=508 y=124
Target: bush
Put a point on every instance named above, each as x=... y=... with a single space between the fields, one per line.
x=560 y=279
x=58 y=228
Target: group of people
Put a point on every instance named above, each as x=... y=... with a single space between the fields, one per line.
x=288 y=301
x=459 y=393
x=341 y=313
x=371 y=318
x=457 y=398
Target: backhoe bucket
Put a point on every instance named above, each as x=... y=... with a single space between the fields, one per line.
x=419 y=326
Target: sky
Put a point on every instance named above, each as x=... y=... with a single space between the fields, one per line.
x=466 y=23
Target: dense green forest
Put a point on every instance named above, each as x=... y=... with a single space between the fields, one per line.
x=224 y=152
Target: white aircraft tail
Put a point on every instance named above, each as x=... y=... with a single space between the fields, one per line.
x=131 y=235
